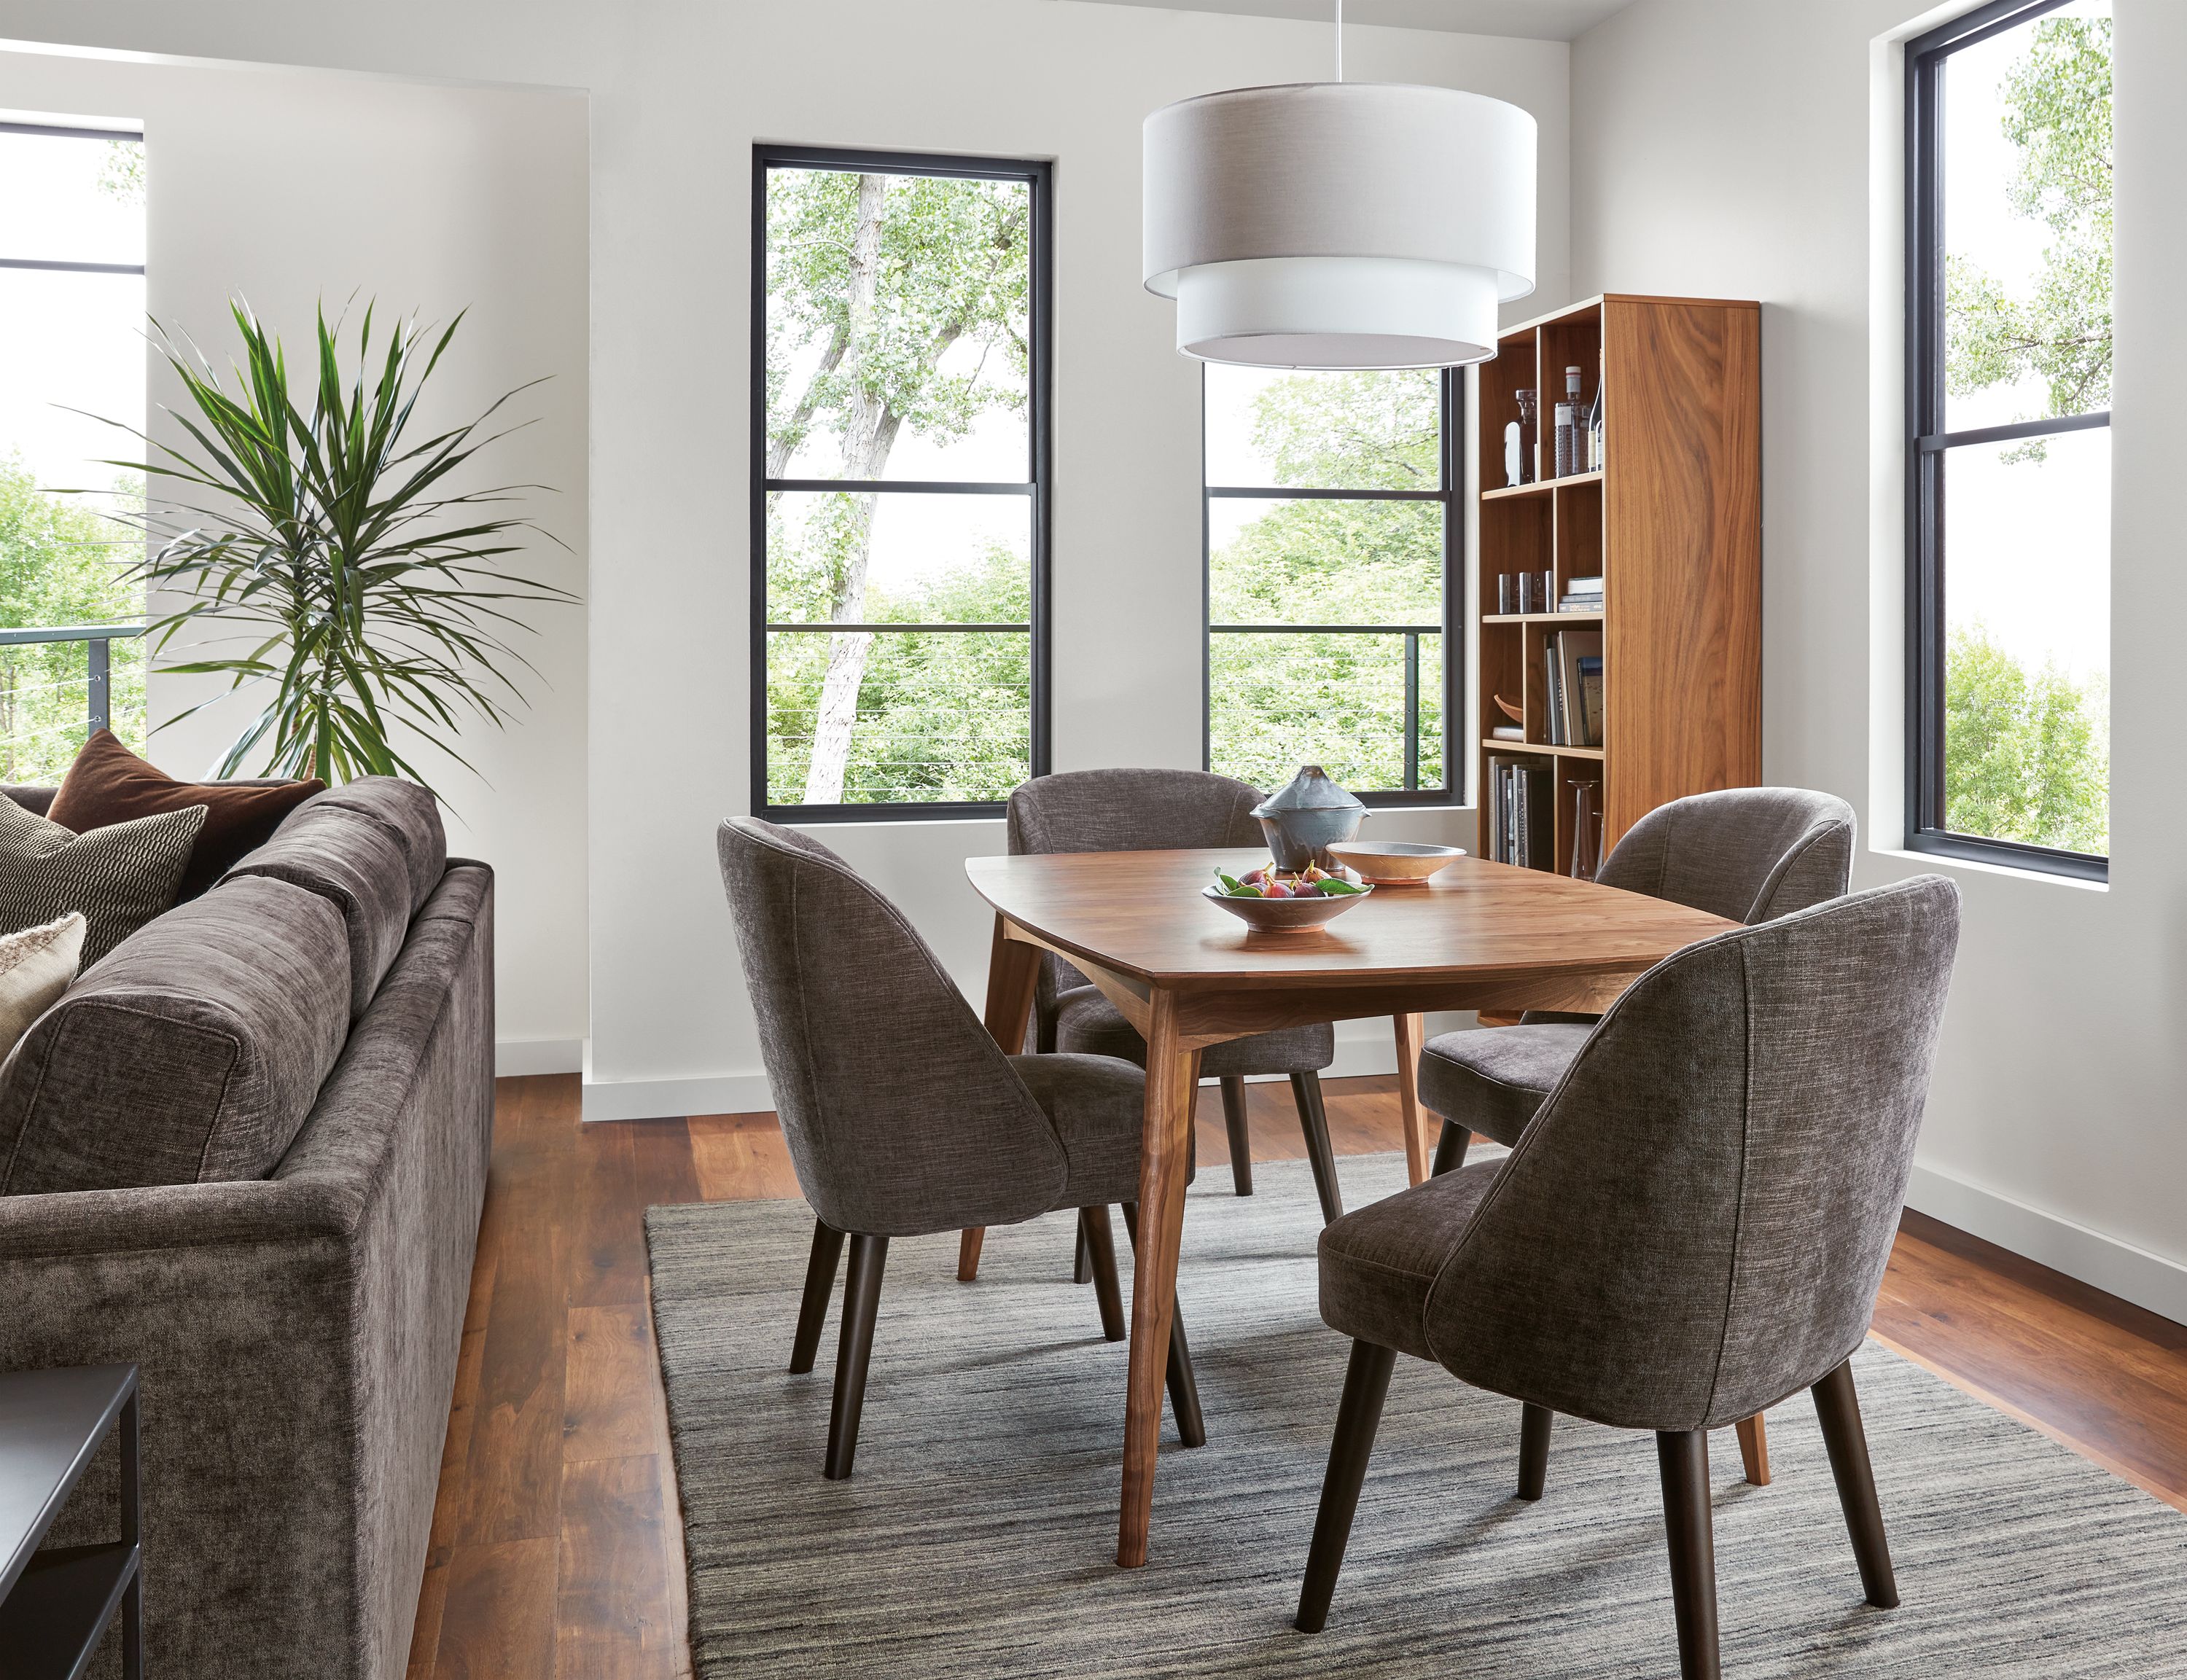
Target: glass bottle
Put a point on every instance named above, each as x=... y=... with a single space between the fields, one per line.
x=1529 y=434
x=1587 y=830
x=1569 y=418
x=1595 y=455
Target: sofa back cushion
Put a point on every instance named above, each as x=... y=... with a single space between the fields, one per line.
x=193 y=1053
x=375 y=849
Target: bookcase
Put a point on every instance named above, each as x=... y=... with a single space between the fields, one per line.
x=1672 y=524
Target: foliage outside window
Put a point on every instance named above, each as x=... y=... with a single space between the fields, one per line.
x=1328 y=517
x=2009 y=349
x=899 y=525
x=71 y=345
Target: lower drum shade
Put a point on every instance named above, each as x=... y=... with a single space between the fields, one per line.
x=1337 y=311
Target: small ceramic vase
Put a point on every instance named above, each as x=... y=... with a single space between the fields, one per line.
x=1307 y=819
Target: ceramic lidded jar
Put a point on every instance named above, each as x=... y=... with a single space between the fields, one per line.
x=1307 y=819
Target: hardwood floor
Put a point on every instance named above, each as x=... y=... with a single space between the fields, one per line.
x=556 y=1548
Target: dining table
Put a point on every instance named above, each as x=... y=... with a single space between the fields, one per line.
x=1188 y=973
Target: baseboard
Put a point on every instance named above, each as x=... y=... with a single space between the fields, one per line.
x=514 y=1057
x=662 y=1098
x=2148 y=1280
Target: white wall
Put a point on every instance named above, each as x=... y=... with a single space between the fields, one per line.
x=291 y=186
x=679 y=92
x=1739 y=149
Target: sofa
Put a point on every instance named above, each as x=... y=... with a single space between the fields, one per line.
x=248 y=1153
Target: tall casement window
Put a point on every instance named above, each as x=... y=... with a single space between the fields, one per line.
x=1329 y=534
x=71 y=347
x=2009 y=347
x=900 y=449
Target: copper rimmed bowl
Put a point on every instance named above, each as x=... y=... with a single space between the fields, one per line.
x=1394 y=862
x=1285 y=915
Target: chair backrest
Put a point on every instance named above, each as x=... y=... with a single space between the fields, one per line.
x=903 y=1115
x=1696 y=1221
x=1124 y=811
x=1746 y=854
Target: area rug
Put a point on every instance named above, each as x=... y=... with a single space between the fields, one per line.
x=976 y=1537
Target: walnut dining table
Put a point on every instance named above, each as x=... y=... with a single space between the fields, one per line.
x=1187 y=974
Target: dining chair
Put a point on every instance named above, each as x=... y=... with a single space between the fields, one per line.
x=1693 y=1227
x=1162 y=811
x=903 y=1117
x=1746 y=854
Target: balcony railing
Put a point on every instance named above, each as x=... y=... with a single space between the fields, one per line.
x=37 y=733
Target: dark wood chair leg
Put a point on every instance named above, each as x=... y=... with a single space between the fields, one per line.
x=1241 y=1135
x=1839 y=1408
x=1081 y=1263
x=1683 y=1456
x=819 y=1285
x=1184 y=1386
x=861 y=1298
x=1098 y=1243
x=1534 y=1424
x=1450 y=1149
x=1366 y=1386
x=1313 y=1121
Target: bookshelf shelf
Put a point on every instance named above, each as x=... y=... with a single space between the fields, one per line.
x=1671 y=524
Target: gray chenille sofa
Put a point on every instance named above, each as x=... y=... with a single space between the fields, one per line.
x=283 y=1090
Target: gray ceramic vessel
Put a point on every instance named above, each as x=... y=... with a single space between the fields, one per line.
x=1307 y=817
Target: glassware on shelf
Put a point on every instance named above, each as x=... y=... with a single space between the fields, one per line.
x=1529 y=417
x=1587 y=830
x=1594 y=426
x=1571 y=445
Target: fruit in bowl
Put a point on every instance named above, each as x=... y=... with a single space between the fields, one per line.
x=1270 y=882
x=1268 y=900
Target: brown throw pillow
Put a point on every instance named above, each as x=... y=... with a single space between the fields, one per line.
x=109 y=783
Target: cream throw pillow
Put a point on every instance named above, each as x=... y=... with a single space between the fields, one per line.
x=35 y=967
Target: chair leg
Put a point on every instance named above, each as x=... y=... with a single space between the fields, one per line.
x=1241 y=1135
x=1081 y=1263
x=1450 y=1149
x=1366 y=1386
x=1754 y=1450
x=1313 y=1121
x=1535 y=1423
x=862 y=1297
x=1098 y=1243
x=1683 y=1457
x=819 y=1285
x=1839 y=1408
x=1184 y=1386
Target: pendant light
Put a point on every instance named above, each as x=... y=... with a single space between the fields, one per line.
x=1340 y=224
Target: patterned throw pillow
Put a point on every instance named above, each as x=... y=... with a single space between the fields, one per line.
x=36 y=968
x=120 y=877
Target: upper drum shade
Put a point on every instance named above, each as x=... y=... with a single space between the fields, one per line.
x=1340 y=224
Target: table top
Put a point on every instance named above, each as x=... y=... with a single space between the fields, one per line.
x=51 y=1422
x=1140 y=914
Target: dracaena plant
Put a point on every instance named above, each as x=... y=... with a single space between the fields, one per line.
x=369 y=595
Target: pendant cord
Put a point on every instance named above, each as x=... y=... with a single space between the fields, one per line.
x=1340 y=40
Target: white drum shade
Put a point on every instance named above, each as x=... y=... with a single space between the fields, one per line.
x=1342 y=224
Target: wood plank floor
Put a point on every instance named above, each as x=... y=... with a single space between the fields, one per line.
x=556 y=1548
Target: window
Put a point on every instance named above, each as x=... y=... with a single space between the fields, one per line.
x=900 y=447
x=2008 y=349
x=1328 y=531
x=71 y=347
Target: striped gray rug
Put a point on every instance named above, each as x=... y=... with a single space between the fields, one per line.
x=975 y=1539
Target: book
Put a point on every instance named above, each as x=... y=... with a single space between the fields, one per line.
x=1590 y=694
x=1554 y=688
x=1576 y=652
x=1507 y=731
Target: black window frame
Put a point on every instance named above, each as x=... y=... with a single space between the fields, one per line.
x=1452 y=394
x=1927 y=443
x=1039 y=176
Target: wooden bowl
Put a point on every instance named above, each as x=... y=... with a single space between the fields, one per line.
x=1393 y=862
x=1285 y=915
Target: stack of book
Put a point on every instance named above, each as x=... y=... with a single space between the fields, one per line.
x=1521 y=813
x=1582 y=595
x=1574 y=662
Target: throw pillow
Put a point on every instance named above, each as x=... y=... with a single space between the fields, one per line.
x=120 y=876
x=108 y=784
x=35 y=967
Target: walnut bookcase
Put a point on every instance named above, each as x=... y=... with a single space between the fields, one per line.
x=1672 y=524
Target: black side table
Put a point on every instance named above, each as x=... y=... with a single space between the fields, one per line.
x=55 y=1605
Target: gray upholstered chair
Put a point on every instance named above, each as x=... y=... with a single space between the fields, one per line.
x=903 y=1117
x=1747 y=854
x=1161 y=811
x=1692 y=1228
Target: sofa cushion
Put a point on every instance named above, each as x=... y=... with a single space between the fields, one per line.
x=193 y=1053
x=36 y=968
x=108 y=784
x=120 y=877
x=365 y=848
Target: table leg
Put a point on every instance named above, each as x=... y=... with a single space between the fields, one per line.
x=1754 y=1450
x=1162 y=1168
x=1412 y=1033
x=1013 y=974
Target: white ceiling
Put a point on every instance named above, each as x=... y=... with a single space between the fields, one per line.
x=1533 y=19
